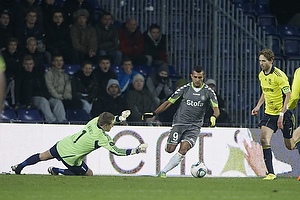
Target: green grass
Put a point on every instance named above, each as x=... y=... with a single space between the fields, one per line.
x=144 y=187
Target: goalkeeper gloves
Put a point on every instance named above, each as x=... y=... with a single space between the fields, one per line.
x=148 y=115
x=124 y=115
x=212 y=121
x=140 y=149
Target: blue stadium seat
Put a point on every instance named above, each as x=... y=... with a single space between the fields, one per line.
x=145 y=70
x=116 y=68
x=72 y=69
x=77 y=115
x=172 y=72
x=29 y=115
x=267 y=20
x=245 y=7
x=288 y=30
x=260 y=8
x=291 y=46
x=8 y=115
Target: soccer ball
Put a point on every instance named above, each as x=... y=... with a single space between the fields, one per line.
x=198 y=170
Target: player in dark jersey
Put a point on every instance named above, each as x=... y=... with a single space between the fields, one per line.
x=274 y=83
x=72 y=149
x=189 y=117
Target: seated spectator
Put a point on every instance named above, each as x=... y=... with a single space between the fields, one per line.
x=140 y=101
x=83 y=36
x=30 y=28
x=223 y=119
x=71 y=6
x=12 y=60
x=84 y=86
x=160 y=85
x=155 y=45
x=39 y=58
x=126 y=74
x=13 y=7
x=31 y=91
x=112 y=102
x=59 y=84
x=167 y=115
x=108 y=39
x=48 y=8
x=6 y=29
x=103 y=73
x=58 y=38
x=27 y=5
x=132 y=43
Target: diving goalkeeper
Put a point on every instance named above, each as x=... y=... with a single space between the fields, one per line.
x=72 y=149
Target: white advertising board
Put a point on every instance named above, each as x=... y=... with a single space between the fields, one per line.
x=219 y=148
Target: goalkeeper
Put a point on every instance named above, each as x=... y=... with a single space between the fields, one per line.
x=188 y=119
x=72 y=149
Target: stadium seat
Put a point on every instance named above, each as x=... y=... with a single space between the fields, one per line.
x=172 y=72
x=145 y=70
x=77 y=115
x=291 y=46
x=72 y=69
x=260 y=8
x=245 y=7
x=29 y=115
x=116 y=68
x=288 y=30
x=8 y=115
x=267 y=20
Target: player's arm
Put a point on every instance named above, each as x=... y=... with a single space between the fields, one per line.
x=284 y=109
x=258 y=105
x=112 y=147
x=164 y=106
x=295 y=90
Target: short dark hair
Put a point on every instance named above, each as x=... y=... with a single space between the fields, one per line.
x=57 y=55
x=27 y=58
x=198 y=69
x=86 y=63
x=126 y=59
x=105 y=118
x=105 y=57
x=12 y=39
x=154 y=26
x=105 y=12
x=267 y=53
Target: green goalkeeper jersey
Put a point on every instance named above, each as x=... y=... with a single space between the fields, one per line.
x=72 y=149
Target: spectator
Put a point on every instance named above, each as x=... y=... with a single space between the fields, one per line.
x=13 y=7
x=59 y=84
x=108 y=39
x=84 y=37
x=103 y=73
x=29 y=5
x=132 y=43
x=31 y=91
x=30 y=28
x=112 y=102
x=139 y=100
x=160 y=85
x=84 y=86
x=39 y=58
x=12 y=59
x=58 y=38
x=6 y=29
x=71 y=6
x=126 y=74
x=48 y=8
x=223 y=119
x=155 y=45
x=167 y=115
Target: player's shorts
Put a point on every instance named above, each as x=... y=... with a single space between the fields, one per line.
x=270 y=121
x=77 y=170
x=182 y=133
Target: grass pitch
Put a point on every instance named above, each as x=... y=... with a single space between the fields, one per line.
x=144 y=187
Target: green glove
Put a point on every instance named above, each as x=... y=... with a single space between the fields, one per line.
x=212 y=121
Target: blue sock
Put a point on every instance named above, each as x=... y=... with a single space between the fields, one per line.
x=66 y=172
x=268 y=159
x=29 y=161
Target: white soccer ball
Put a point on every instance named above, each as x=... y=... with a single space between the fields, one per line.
x=198 y=170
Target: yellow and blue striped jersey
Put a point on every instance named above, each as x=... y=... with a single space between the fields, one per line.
x=295 y=90
x=272 y=85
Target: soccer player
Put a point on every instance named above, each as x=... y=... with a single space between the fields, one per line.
x=273 y=82
x=72 y=149
x=295 y=140
x=189 y=116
